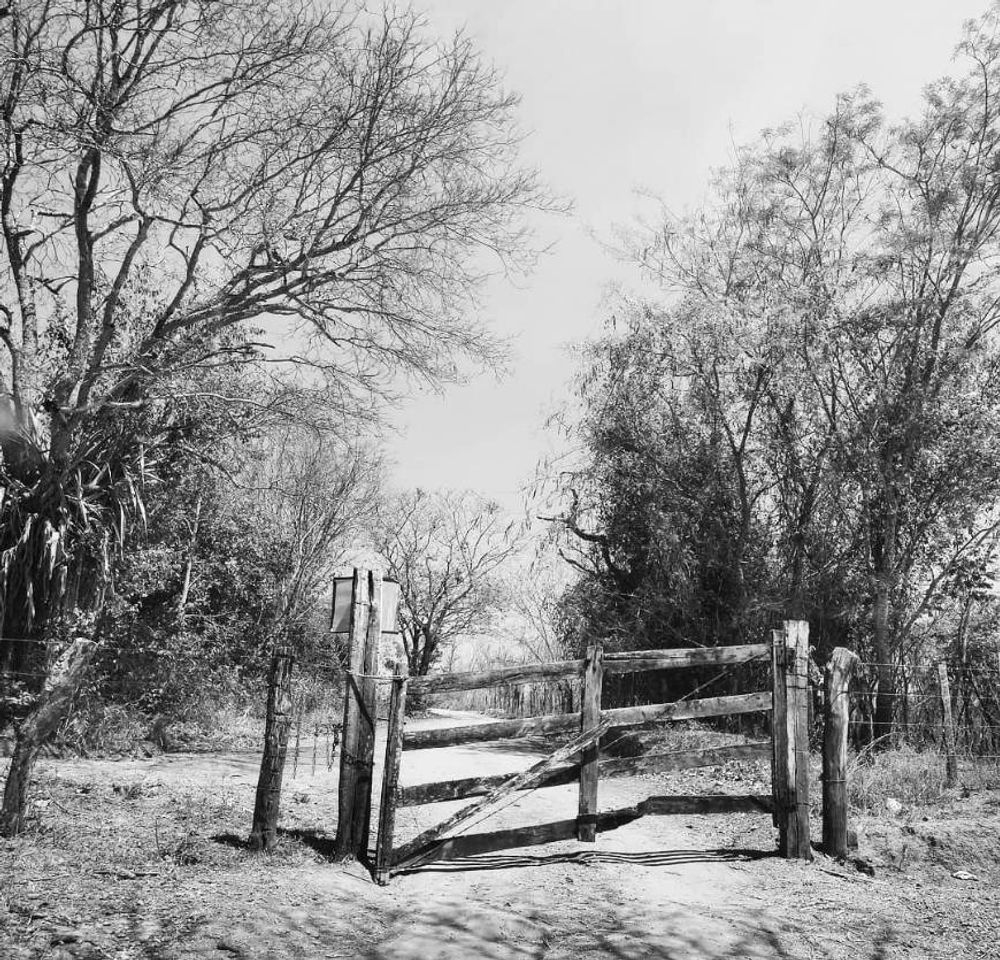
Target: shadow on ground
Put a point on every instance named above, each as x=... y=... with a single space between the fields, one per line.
x=647 y=858
x=460 y=929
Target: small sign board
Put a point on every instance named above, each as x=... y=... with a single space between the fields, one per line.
x=340 y=620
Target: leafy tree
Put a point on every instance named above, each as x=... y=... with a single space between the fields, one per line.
x=825 y=358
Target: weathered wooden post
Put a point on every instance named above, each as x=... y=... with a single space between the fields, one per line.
x=951 y=761
x=839 y=671
x=790 y=731
x=357 y=750
x=779 y=734
x=366 y=689
x=390 y=780
x=345 y=844
x=590 y=717
x=61 y=686
x=278 y=722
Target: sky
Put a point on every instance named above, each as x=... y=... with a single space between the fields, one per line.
x=622 y=96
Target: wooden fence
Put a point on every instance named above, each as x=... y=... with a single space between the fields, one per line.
x=579 y=760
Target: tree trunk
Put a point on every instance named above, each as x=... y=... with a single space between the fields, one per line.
x=63 y=682
x=882 y=725
x=264 y=833
x=189 y=564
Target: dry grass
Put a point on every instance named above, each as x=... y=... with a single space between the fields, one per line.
x=914 y=777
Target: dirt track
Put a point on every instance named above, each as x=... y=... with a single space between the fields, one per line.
x=160 y=874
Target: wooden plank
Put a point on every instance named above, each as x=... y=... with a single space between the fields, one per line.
x=618 y=767
x=640 y=660
x=277 y=723
x=525 y=673
x=951 y=759
x=566 y=722
x=390 y=781
x=364 y=784
x=345 y=844
x=690 y=709
x=469 y=845
x=713 y=803
x=590 y=717
x=629 y=662
x=779 y=735
x=446 y=790
x=838 y=681
x=684 y=759
x=519 y=781
x=798 y=845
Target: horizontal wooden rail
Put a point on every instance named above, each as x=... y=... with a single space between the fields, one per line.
x=634 y=661
x=566 y=722
x=614 y=767
x=472 y=844
x=526 y=673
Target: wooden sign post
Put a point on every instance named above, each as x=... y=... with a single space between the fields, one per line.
x=358 y=745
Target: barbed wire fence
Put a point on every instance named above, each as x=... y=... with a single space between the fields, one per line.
x=954 y=711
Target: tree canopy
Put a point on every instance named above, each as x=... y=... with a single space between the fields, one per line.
x=806 y=422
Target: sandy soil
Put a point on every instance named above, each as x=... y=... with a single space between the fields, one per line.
x=143 y=859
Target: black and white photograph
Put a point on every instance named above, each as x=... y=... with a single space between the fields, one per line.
x=499 y=480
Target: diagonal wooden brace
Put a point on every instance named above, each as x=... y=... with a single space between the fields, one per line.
x=423 y=846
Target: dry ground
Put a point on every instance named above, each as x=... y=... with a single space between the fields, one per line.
x=144 y=859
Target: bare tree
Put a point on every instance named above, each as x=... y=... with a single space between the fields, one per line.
x=318 y=494
x=534 y=590
x=184 y=184
x=448 y=551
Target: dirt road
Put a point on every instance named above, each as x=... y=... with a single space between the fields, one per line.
x=142 y=859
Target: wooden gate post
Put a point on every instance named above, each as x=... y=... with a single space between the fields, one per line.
x=345 y=844
x=951 y=761
x=790 y=720
x=590 y=717
x=839 y=671
x=264 y=833
x=366 y=690
x=779 y=735
x=390 y=780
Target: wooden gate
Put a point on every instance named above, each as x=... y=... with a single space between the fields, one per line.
x=579 y=760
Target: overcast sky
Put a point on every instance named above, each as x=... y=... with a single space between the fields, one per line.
x=638 y=94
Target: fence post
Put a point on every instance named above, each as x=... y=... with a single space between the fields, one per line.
x=278 y=722
x=590 y=717
x=838 y=681
x=390 y=780
x=366 y=690
x=779 y=735
x=951 y=762
x=345 y=844
x=796 y=813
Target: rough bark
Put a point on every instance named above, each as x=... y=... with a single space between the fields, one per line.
x=56 y=697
